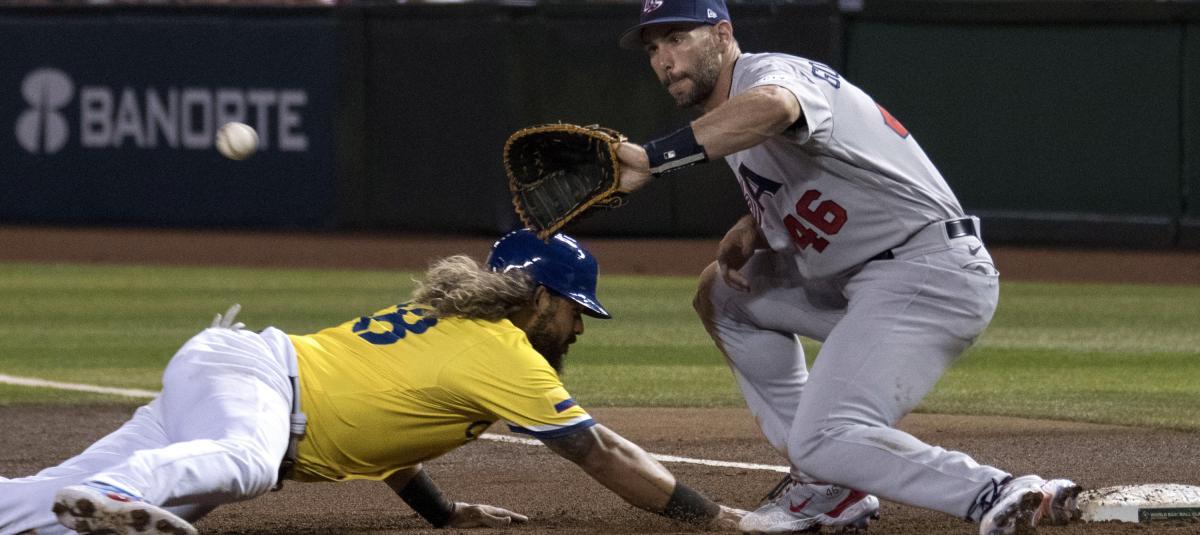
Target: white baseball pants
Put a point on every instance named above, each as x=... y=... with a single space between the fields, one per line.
x=890 y=331
x=215 y=435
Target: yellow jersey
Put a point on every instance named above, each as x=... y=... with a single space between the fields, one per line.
x=390 y=390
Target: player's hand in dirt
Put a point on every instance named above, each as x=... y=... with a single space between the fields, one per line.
x=467 y=515
x=727 y=519
x=735 y=250
x=635 y=167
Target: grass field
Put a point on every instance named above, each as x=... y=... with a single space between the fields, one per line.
x=1111 y=354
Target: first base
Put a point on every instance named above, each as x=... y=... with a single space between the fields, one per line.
x=1143 y=504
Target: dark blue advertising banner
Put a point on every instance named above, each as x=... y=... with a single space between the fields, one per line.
x=112 y=118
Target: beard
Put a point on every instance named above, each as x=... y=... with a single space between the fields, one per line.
x=704 y=79
x=543 y=340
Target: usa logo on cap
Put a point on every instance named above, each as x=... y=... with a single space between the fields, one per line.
x=656 y=12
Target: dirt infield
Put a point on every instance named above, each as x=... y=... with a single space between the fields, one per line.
x=559 y=497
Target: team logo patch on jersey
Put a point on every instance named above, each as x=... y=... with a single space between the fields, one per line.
x=754 y=186
x=651 y=5
x=564 y=405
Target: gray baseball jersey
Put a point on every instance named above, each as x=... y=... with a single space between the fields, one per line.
x=834 y=192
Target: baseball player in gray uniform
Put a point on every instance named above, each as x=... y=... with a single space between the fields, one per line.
x=853 y=239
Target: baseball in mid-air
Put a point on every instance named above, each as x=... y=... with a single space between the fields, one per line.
x=237 y=141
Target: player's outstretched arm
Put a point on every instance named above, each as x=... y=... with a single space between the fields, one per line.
x=636 y=477
x=746 y=120
x=415 y=487
x=740 y=123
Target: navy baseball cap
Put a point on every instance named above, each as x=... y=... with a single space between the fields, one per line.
x=560 y=264
x=655 y=12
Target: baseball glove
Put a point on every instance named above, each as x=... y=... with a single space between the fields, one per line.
x=556 y=172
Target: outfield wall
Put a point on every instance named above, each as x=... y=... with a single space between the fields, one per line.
x=447 y=84
x=108 y=117
x=1058 y=122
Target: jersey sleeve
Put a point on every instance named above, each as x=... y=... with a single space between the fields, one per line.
x=517 y=385
x=816 y=123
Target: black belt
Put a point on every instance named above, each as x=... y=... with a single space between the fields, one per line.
x=955 y=228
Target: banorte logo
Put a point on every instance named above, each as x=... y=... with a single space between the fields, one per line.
x=42 y=128
x=154 y=117
x=651 y=5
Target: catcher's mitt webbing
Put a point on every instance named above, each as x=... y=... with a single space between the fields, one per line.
x=557 y=171
x=544 y=203
x=675 y=151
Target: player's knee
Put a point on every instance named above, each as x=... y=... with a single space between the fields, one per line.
x=703 y=300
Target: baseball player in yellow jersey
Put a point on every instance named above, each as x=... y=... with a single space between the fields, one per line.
x=476 y=345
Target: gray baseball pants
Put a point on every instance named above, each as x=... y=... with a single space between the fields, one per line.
x=889 y=331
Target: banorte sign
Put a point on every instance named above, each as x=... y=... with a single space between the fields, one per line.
x=153 y=117
x=42 y=128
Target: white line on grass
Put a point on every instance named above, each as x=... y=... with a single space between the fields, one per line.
x=135 y=393
x=42 y=383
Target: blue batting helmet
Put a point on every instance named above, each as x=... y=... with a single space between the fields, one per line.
x=560 y=264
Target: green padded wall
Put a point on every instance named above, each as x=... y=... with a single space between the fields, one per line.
x=1065 y=131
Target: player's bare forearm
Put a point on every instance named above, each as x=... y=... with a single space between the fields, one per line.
x=415 y=487
x=748 y=224
x=417 y=490
x=746 y=120
x=618 y=464
x=736 y=248
x=636 y=477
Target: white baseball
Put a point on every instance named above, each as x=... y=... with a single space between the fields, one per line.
x=237 y=141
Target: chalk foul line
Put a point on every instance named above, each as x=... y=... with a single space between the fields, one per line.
x=658 y=456
x=136 y=393
x=42 y=383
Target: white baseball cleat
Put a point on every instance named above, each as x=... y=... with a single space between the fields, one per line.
x=1026 y=501
x=100 y=509
x=796 y=506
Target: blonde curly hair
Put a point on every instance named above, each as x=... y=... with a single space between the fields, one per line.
x=459 y=286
